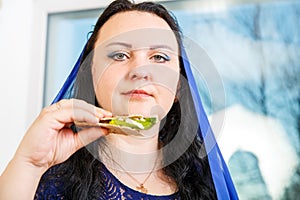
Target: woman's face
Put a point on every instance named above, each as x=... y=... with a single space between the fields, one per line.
x=135 y=65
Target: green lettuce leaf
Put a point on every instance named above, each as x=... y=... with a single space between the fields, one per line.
x=139 y=123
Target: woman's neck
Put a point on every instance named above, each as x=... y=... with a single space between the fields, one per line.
x=130 y=153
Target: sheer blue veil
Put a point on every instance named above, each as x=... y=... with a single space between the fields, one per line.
x=223 y=183
x=221 y=177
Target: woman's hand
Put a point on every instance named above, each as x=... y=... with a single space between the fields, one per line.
x=50 y=141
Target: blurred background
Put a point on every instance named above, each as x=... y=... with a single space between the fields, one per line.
x=253 y=46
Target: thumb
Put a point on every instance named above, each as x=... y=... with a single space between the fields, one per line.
x=88 y=135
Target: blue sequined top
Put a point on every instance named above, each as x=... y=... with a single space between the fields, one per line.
x=114 y=189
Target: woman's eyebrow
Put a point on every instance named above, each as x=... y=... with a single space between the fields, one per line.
x=119 y=44
x=162 y=46
x=151 y=47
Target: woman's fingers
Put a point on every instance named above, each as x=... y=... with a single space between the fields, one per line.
x=104 y=112
x=68 y=111
x=72 y=110
x=50 y=140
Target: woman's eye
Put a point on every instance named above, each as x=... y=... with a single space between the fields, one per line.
x=118 y=56
x=161 y=58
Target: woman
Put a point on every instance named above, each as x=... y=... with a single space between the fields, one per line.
x=132 y=64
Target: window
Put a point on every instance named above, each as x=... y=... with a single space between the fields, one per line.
x=66 y=37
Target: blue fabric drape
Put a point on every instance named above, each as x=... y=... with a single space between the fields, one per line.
x=223 y=183
x=67 y=87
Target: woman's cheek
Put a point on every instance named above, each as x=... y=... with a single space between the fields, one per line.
x=166 y=100
x=104 y=88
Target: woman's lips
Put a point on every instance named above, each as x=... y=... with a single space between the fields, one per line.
x=137 y=94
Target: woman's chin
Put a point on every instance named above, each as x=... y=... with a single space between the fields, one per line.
x=153 y=110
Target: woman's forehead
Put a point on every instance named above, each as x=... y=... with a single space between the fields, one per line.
x=138 y=29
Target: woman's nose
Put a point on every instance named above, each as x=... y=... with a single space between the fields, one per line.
x=140 y=73
x=140 y=66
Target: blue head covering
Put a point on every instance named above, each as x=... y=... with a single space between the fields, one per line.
x=221 y=177
x=223 y=183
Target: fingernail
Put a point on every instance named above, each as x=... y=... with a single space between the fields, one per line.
x=108 y=113
x=100 y=115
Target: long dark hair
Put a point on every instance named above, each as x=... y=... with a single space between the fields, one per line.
x=190 y=172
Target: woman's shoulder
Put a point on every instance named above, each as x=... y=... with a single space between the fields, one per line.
x=51 y=185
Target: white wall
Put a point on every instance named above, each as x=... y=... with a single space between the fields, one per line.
x=15 y=58
x=23 y=26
